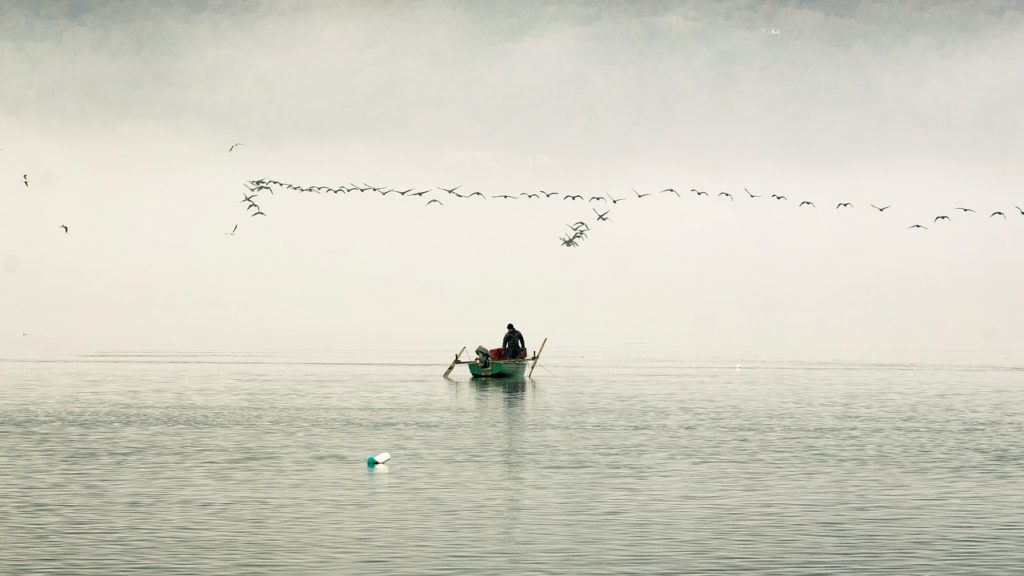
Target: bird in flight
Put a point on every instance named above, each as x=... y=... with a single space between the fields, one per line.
x=434 y=200
x=752 y=195
x=997 y=213
x=420 y=193
x=235 y=145
x=480 y=194
x=778 y=197
x=547 y=194
x=24 y=179
x=600 y=216
x=506 y=196
x=937 y=218
x=592 y=198
x=698 y=192
x=843 y=204
x=639 y=195
x=529 y=195
x=807 y=203
x=672 y=190
x=917 y=226
x=572 y=197
x=1019 y=209
x=963 y=209
x=65 y=227
x=725 y=194
x=451 y=190
x=258 y=213
x=232 y=233
x=247 y=198
x=614 y=200
x=883 y=208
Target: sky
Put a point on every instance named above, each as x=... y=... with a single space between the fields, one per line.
x=122 y=114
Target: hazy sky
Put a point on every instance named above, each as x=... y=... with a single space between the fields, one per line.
x=122 y=113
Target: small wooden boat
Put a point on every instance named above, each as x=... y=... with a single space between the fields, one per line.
x=498 y=367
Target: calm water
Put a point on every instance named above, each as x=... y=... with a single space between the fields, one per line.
x=205 y=464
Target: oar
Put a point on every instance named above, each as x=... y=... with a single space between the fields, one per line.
x=536 y=358
x=454 y=362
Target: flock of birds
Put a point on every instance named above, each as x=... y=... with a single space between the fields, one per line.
x=578 y=231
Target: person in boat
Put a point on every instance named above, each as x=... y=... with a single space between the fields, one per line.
x=513 y=343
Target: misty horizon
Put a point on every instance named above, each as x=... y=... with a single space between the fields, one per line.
x=122 y=118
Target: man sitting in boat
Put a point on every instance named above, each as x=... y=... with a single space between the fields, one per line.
x=513 y=343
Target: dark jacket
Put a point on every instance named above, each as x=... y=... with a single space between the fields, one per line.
x=513 y=339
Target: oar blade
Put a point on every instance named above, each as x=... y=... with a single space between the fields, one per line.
x=537 y=358
x=454 y=362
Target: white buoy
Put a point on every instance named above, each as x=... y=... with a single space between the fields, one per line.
x=378 y=459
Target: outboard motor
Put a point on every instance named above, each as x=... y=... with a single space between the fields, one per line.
x=483 y=356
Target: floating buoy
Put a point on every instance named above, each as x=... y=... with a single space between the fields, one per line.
x=378 y=459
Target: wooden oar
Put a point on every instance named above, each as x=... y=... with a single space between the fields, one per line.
x=454 y=362
x=536 y=358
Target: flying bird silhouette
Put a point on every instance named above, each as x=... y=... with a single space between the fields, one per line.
x=778 y=197
x=480 y=194
x=672 y=190
x=807 y=203
x=917 y=226
x=24 y=179
x=844 y=205
x=937 y=218
x=450 y=190
x=572 y=197
x=997 y=213
x=1019 y=209
x=235 y=145
x=434 y=200
x=505 y=196
x=639 y=195
x=258 y=213
x=725 y=194
x=881 y=208
x=698 y=192
x=592 y=198
x=64 y=226
x=752 y=195
x=232 y=233
x=963 y=209
x=615 y=200
x=547 y=194
x=600 y=216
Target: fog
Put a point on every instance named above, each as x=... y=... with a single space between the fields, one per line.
x=122 y=115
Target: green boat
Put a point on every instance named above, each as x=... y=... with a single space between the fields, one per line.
x=484 y=367
x=499 y=368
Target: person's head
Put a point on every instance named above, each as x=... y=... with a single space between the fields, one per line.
x=511 y=327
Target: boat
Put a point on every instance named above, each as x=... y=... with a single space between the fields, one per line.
x=493 y=364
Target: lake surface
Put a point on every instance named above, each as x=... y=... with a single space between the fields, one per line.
x=240 y=464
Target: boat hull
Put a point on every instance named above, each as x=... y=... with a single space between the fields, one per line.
x=498 y=369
